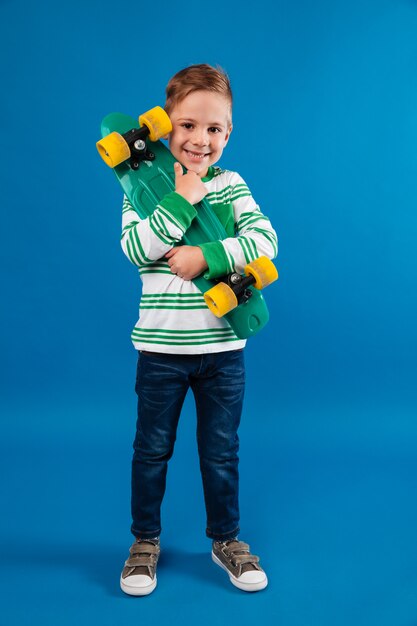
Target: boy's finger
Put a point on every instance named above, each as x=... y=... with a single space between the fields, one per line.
x=171 y=253
x=177 y=170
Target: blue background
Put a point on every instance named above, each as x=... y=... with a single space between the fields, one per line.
x=325 y=133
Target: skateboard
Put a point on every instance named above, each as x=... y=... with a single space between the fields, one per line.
x=144 y=168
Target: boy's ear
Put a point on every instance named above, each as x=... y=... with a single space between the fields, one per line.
x=227 y=136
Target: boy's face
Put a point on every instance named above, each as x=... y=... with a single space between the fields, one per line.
x=200 y=130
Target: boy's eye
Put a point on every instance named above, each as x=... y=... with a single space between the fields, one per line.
x=214 y=130
x=187 y=125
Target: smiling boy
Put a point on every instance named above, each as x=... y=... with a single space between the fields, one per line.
x=180 y=343
x=201 y=127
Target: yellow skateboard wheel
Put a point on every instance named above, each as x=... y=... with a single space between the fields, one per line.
x=263 y=271
x=113 y=149
x=157 y=121
x=220 y=299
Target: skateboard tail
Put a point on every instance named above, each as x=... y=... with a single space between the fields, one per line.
x=246 y=326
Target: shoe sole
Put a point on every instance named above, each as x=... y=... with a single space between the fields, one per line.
x=236 y=582
x=137 y=591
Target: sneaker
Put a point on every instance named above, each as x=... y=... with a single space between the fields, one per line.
x=138 y=577
x=242 y=566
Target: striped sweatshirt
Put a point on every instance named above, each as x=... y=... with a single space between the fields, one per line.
x=173 y=316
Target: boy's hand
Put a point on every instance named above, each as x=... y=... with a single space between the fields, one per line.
x=189 y=185
x=186 y=261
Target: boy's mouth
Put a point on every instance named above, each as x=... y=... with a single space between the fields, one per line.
x=196 y=155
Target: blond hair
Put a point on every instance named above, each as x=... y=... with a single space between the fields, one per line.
x=202 y=77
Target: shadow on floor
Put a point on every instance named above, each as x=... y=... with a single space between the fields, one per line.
x=102 y=563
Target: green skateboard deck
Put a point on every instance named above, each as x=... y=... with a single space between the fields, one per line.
x=148 y=184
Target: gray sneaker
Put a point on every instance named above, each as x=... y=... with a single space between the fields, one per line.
x=138 y=577
x=242 y=566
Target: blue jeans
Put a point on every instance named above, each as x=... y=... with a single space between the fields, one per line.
x=217 y=382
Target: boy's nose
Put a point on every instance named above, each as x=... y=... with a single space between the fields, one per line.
x=200 y=138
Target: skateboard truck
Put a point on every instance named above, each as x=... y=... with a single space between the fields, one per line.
x=139 y=151
x=233 y=289
x=239 y=285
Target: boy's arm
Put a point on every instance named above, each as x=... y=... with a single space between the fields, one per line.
x=255 y=236
x=146 y=240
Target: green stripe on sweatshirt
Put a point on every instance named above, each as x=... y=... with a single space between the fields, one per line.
x=182 y=337
x=173 y=301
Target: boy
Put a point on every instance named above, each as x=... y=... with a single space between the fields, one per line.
x=180 y=343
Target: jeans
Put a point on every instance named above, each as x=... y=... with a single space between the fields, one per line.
x=217 y=382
